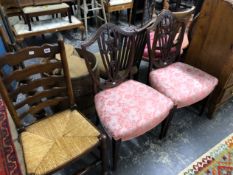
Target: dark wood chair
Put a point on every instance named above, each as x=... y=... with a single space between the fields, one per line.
x=62 y=135
x=126 y=108
x=182 y=83
x=140 y=42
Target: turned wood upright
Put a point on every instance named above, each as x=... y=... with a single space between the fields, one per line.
x=211 y=48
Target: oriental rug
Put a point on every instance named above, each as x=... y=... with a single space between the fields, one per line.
x=9 y=164
x=217 y=161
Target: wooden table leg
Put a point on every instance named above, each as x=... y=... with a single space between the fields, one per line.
x=28 y=22
x=69 y=15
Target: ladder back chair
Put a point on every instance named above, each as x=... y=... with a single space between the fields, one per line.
x=51 y=138
x=5 y=47
x=182 y=83
x=126 y=108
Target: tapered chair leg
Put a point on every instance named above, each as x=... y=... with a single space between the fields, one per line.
x=85 y=11
x=103 y=11
x=203 y=106
x=109 y=17
x=104 y=154
x=115 y=153
x=166 y=124
x=130 y=16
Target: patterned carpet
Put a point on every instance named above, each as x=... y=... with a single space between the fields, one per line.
x=9 y=164
x=217 y=161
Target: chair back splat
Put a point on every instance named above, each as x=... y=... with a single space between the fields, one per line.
x=168 y=34
x=117 y=50
x=39 y=88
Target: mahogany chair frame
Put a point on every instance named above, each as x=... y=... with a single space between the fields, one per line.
x=116 y=52
x=165 y=31
x=117 y=49
x=110 y=47
x=54 y=90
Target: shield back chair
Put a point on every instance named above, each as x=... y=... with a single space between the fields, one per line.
x=184 y=16
x=182 y=83
x=55 y=140
x=92 y=6
x=140 y=42
x=126 y=108
x=118 y=5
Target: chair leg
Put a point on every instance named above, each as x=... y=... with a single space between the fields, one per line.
x=85 y=16
x=203 y=106
x=109 y=17
x=104 y=154
x=115 y=153
x=130 y=16
x=166 y=124
x=206 y=101
x=103 y=11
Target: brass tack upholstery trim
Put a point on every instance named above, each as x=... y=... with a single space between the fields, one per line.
x=55 y=141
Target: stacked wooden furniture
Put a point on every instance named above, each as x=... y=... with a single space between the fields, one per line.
x=36 y=8
x=118 y=5
x=211 y=48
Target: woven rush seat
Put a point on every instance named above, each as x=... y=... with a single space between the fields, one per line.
x=58 y=140
x=43 y=8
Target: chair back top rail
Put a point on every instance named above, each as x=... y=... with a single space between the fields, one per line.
x=168 y=34
x=117 y=50
x=38 y=87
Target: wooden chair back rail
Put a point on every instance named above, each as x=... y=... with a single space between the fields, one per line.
x=48 y=51
x=45 y=90
x=38 y=96
x=31 y=70
x=49 y=103
x=44 y=82
x=117 y=50
x=168 y=38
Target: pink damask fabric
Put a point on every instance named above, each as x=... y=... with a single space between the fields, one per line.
x=131 y=109
x=184 y=84
x=184 y=45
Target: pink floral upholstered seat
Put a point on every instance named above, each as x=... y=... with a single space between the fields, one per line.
x=184 y=84
x=184 y=45
x=131 y=109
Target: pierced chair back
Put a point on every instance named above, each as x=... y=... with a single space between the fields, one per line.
x=117 y=50
x=168 y=37
x=41 y=88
